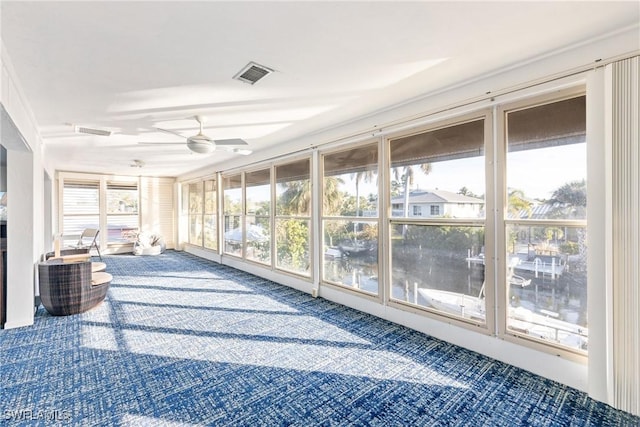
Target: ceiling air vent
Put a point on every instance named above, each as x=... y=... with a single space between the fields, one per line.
x=252 y=72
x=80 y=129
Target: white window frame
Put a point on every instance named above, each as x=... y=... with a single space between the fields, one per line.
x=103 y=180
x=502 y=222
x=489 y=325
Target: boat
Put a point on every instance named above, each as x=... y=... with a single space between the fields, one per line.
x=520 y=319
x=355 y=248
x=462 y=305
x=514 y=279
x=332 y=253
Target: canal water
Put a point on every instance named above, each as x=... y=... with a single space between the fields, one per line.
x=563 y=298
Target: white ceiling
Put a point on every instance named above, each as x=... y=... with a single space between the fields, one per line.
x=131 y=66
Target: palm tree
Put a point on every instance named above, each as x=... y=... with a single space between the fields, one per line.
x=366 y=176
x=408 y=173
x=332 y=198
x=466 y=192
x=517 y=203
x=296 y=198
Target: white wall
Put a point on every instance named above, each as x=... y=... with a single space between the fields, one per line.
x=25 y=186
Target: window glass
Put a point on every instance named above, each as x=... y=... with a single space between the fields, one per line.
x=232 y=194
x=195 y=213
x=184 y=208
x=547 y=161
x=258 y=216
x=545 y=226
x=80 y=209
x=350 y=191
x=439 y=175
x=293 y=189
x=351 y=182
x=292 y=238
x=122 y=212
x=210 y=220
x=433 y=268
x=233 y=224
x=293 y=210
x=441 y=171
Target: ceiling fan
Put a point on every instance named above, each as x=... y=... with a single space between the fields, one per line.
x=202 y=144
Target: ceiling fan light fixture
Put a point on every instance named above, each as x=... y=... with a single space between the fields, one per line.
x=200 y=145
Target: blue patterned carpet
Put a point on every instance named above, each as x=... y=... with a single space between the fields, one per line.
x=181 y=341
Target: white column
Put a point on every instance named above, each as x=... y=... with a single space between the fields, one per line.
x=20 y=239
x=599 y=304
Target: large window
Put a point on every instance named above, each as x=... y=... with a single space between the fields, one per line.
x=80 y=209
x=293 y=217
x=258 y=216
x=483 y=224
x=437 y=261
x=196 y=209
x=210 y=215
x=122 y=211
x=350 y=218
x=545 y=222
x=233 y=215
x=110 y=206
x=199 y=213
x=184 y=209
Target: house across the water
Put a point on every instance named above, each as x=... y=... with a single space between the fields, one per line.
x=437 y=203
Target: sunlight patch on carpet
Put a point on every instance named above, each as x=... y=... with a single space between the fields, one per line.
x=377 y=364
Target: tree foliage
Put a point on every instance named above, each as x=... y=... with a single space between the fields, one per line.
x=573 y=193
x=517 y=203
x=293 y=244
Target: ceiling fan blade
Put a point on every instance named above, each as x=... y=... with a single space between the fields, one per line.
x=161 y=143
x=170 y=131
x=233 y=141
x=242 y=151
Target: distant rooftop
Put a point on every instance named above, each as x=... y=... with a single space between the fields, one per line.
x=436 y=196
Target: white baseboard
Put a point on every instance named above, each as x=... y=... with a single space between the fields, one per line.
x=19 y=323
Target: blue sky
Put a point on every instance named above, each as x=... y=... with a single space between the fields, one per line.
x=560 y=165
